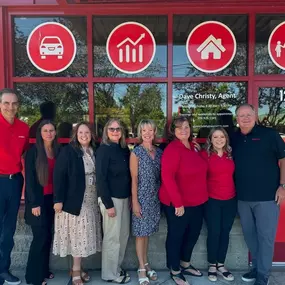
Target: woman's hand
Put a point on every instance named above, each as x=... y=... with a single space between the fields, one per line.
x=197 y=146
x=137 y=209
x=111 y=212
x=179 y=211
x=58 y=207
x=36 y=211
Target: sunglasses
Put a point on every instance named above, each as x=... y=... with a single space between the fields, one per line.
x=112 y=130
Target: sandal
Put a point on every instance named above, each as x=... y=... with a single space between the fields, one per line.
x=212 y=275
x=143 y=280
x=76 y=278
x=84 y=276
x=50 y=275
x=179 y=278
x=124 y=273
x=227 y=275
x=151 y=274
x=123 y=279
x=185 y=272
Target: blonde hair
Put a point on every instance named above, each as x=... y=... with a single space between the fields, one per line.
x=209 y=146
x=105 y=138
x=144 y=123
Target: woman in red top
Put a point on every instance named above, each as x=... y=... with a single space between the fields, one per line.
x=183 y=193
x=222 y=207
x=39 y=213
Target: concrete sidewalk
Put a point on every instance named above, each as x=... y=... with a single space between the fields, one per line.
x=61 y=278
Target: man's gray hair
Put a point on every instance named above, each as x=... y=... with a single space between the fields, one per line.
x=245 y=105
x=7 y=91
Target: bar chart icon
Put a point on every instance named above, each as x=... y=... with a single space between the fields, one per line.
x=130 y=51
x=131 y=47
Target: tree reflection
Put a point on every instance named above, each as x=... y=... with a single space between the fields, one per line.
x=131 y=103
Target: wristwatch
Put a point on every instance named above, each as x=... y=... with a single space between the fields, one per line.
x=282 y=185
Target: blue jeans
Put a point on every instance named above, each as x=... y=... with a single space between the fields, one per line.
x=10 y=197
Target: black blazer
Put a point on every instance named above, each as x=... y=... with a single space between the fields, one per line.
x=69 y=179
x=34 y=193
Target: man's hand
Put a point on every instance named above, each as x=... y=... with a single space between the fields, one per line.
x=36 y=211
x=280 y=195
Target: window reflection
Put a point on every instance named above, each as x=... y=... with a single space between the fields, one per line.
x=22 y=29
x=103 y=26
x=208 y=104
x=265 y=24
x=130 y=103
x=271 y=112
x=184 y=24
x=69 y=100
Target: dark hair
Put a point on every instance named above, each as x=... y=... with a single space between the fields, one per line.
x=177 y=122
x=74 y=140
x=209 y=145
x=42 y=160
x=7 y=91
x=47 y=110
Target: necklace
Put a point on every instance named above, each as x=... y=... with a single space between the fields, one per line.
x=149 y=150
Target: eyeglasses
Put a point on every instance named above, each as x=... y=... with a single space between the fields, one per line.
x=112 y=130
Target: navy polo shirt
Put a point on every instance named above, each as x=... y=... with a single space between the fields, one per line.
x=256 y=155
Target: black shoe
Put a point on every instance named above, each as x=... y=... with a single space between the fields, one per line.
x=250 y=276
x=10 y=279
x=261 y=280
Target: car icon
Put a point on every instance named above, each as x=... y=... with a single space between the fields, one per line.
x=51 y=46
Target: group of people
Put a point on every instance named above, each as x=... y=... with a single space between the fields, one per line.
x=80 y=190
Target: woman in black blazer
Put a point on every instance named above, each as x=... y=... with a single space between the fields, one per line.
x=39 y=213
x=77 y=230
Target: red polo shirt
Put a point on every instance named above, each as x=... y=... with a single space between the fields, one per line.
x=184 y=176
x=14 y=141
x=220 y=176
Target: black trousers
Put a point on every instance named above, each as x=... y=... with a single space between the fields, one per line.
x=10 y=197
x=182 y=234
x=38 y=262
x=220 y=216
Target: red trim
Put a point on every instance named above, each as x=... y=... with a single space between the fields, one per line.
x=49 y=79
x=2 y=48
x=90 y=67
x=169 y=68
x=251 y=52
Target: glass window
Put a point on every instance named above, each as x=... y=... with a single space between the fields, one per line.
x=130 y=103
x=271 y=111
x=184 y=24
x=103 y=26
x=265 y=24
x=208 y=104
x=66 y=103
x=23 y=27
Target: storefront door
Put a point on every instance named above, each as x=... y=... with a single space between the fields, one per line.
x=270 y=99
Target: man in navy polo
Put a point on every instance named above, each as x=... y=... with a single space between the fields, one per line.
x=13 y=142
x=259 y=155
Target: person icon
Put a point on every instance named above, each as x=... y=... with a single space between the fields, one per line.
x=278 y=48
x=48 y=112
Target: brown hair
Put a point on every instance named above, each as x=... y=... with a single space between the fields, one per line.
x=74 y=140
x=41 y=159
x=176 y=123
x=105 y=138
x=209 y=146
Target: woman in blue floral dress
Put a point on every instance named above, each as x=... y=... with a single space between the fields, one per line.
x=145 y=171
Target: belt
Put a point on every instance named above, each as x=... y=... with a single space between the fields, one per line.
x=10 y=176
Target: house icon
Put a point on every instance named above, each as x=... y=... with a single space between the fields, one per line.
x=211 y=45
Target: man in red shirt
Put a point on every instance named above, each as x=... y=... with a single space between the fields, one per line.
x=13 y=142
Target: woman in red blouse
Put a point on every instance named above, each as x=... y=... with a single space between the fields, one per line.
x=220 y=211
x=183 y=194
x=39 y=213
